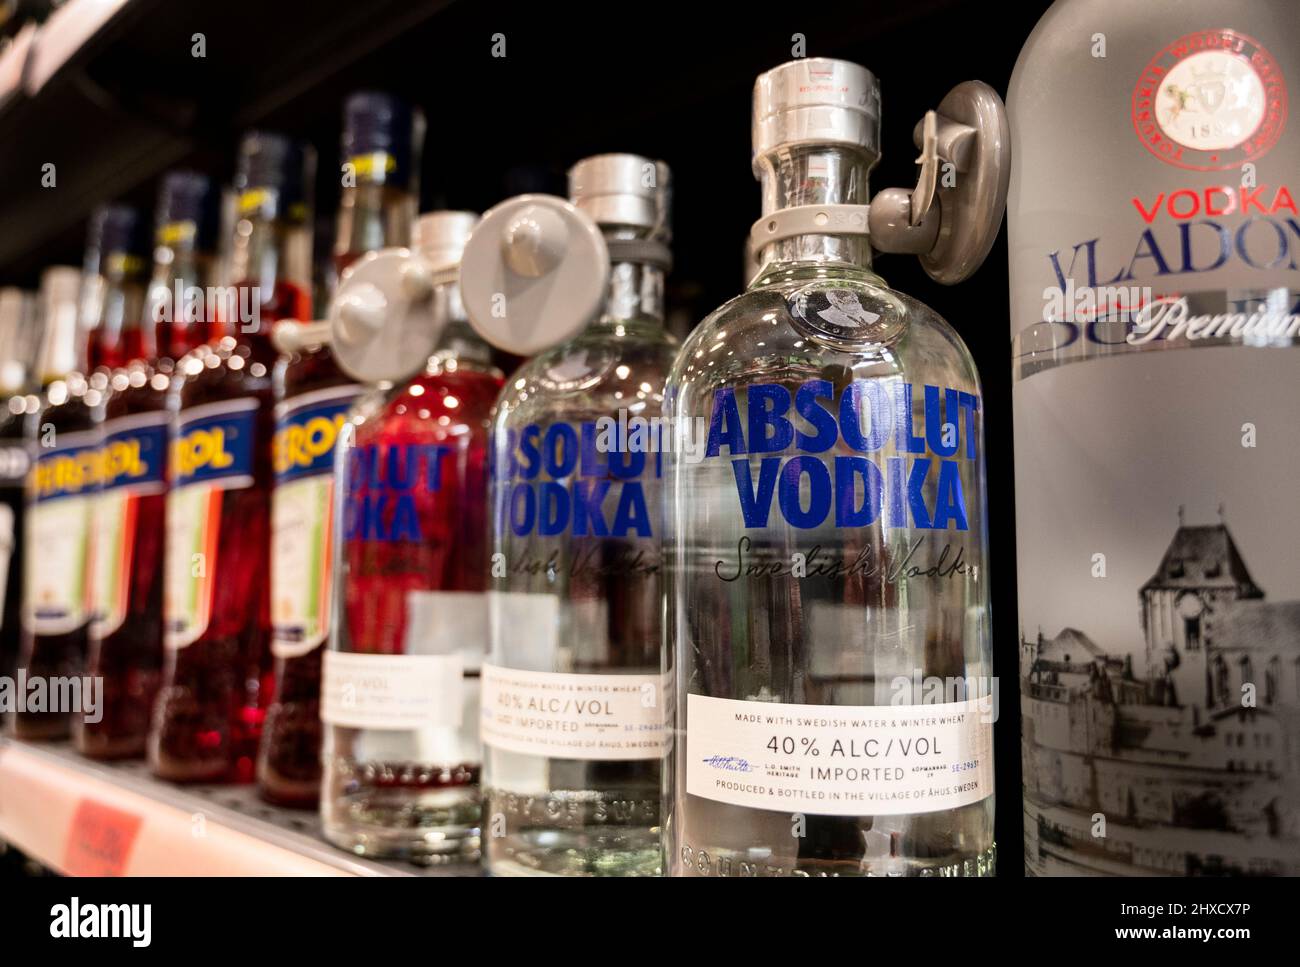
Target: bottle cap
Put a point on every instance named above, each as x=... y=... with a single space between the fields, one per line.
x=188 y=203
x=382 y=135
x=623 y=190
x=273 y=175
x=115 y=230
x=390 y=309
x=441 y=236
x=816 y=100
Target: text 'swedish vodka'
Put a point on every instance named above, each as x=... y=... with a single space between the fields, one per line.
x=1155 y=310
x=827 y=605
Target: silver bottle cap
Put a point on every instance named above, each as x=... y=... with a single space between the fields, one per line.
x=623 y=190
x=440 y=236
x=816 y=100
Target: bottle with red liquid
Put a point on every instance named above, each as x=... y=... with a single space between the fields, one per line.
x=126 y=640
x=380 y=151
x=63 y=436
x=400 y=679
x=216 y=601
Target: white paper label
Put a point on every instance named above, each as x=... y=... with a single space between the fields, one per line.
x=839 y=760
x=565 y=716
x=395 y=692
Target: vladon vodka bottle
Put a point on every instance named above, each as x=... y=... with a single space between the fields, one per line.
x=573 y=700
x=399 y=693
x=1155 y=298
x=827 y=601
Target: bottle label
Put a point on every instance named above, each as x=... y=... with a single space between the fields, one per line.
x=839 y=760
x=302 y=521
x=386 y=487
x=567 y=716
x=899 y=451
x=213 y=451
x=65 y=479
x=394 y=692
x=581 y=480
x=133 y=465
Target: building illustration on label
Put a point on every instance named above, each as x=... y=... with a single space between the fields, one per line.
x=1186 y=739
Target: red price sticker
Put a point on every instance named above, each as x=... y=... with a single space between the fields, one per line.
x=99 y=840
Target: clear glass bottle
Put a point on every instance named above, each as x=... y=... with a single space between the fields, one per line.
x=575 y=788
x=399 y=697
x=217 y=670
x=825 y=543
x=313 y=396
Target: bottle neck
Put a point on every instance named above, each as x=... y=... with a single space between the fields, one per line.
x=815 y=175
x=372 y=216
x=635 y=292
x=117 y=336
x=459 y=340
x=181 y=306
x=271 y=268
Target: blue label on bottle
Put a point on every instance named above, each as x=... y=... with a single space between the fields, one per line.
x=215 y=444
x=384 y=483
x=917 y=484
x=70 y=468
x=135 y=453
x=585 y=480
x=306 y=429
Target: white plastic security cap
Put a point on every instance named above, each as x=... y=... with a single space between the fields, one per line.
x=534 y=273
x=385 y=319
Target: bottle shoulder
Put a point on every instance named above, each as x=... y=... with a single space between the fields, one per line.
x=226 y=369
x=600 y=371
x=837 y=328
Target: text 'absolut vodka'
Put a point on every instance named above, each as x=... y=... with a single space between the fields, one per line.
x=889 y=469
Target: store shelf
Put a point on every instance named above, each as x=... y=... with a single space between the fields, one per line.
x=88 y=818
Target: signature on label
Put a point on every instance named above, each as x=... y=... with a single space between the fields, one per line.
x=728 y=763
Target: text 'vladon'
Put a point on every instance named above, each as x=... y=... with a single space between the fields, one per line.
x=917 y=484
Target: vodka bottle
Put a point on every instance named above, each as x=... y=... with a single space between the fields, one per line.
x=400 y=679
x=217 y=672
x=381 y=157
x=826 y=539
x=1155 y=301
x=126 y=642
x=573 y=703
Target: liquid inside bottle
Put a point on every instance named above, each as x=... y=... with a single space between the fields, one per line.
x=401 y=677
x=125 y=651
x=574 y=702
x=827 y=602
x=217 y=672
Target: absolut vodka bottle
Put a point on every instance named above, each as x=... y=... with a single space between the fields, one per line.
x=825 y=540
x=1155 y=300
x=573 y=704
x=399 y=696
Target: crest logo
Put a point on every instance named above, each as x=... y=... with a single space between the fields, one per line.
x=1210 y=101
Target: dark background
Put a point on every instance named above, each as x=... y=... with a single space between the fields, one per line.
x=667 y=80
